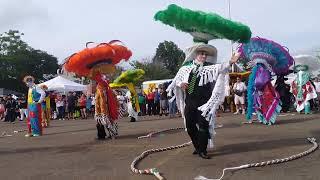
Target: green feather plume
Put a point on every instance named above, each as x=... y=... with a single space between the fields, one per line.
x=203 y=26
x=129 y=76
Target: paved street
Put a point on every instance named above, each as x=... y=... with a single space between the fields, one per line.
x=68 y=150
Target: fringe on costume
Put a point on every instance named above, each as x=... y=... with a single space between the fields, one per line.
x=213 y=73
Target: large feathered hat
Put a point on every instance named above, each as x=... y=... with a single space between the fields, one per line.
x=129 y=76
x=203 y=27
x=98 y=59
x=306 y=62
x=270 y=53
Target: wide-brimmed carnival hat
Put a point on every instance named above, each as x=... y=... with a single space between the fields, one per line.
x=191 y=52
x=275 y=56
x=203 y=27
x=99 y=59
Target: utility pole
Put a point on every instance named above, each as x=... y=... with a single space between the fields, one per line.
x=231 y=43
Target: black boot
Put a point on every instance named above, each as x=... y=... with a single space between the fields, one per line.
x=101 y=132
x=133 y=119
x=195 y=152
x=204 y=155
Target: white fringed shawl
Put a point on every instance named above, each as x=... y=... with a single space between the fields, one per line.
x=207 y=74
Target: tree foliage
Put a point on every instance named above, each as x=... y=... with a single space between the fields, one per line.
x=11 y=43
x=18 y=59
x=170 y=56
x=153 y=71
x=164 y=65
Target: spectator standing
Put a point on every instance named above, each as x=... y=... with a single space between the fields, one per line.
x=10 y=106
x=60 y=104
x=142 y=103
x=150 y=101
x=82 y=104
x=88 y=105
x=163 y=102
x=23 y=108
x=239 y=89
x=2 y=108
x=71 y=103
x=156 y=102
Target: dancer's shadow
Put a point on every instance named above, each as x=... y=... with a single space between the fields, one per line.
x=69 y=125
x=260 y=145
x=131 y=136
x=156 y=118
x=227 y=126
x=135 y=136
x=60 y=149
x=316 y=134
x=297 y=120
x=69 y=132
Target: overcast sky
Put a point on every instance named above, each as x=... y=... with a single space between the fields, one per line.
x=62 y=27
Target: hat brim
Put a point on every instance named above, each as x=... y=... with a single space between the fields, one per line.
x=191 y=52
x=211 y=51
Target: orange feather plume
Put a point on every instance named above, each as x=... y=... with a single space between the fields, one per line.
x=89 y=60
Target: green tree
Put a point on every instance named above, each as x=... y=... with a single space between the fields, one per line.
x=170 y=56
x=11 y=43
x=18 y=59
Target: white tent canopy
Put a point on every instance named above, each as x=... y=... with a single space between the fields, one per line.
x=156 y=82
x=62 y=84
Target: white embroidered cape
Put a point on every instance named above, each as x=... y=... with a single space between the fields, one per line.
x=217 y=73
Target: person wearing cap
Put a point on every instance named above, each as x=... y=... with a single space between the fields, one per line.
x=36 y=96
x=199 y=89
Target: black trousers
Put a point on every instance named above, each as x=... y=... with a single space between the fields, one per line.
x=285 y=103
x=156 y=108
x=198 y=128
x=11 y=116
x=101 y=131
x=150 y=107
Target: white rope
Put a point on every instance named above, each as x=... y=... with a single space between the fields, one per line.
x=154 y=171
x=5 y=134
x=266 y=163
x=160 y=131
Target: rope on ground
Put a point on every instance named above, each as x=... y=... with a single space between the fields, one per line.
x=20 y=130
x=160 y=131
x=270 y=162
x=5 y=134
x=154 y=171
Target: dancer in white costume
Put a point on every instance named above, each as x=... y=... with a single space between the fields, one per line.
x=200 y=88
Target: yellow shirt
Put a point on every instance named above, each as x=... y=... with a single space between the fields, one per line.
x=30 y=99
